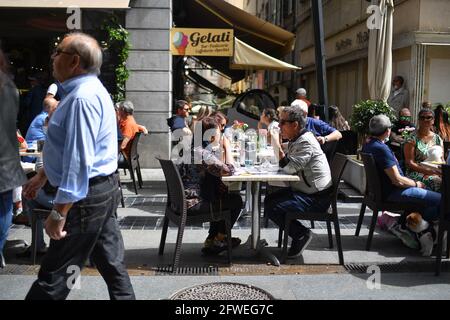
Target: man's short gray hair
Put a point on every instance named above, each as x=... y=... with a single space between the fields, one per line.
x=91 y=56
x=295 y=114
x=379 y=124
x=301 y=92
x=127 y=107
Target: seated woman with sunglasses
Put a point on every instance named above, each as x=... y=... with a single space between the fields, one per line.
x=422 y=146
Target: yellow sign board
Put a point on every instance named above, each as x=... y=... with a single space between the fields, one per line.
x=201 y=42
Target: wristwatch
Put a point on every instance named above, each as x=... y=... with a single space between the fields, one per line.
x=326 y=139
x=56 y=216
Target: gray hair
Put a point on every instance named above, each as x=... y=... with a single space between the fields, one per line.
x=87 y=47
x=127 y=106
x=379 y=124
x=295 y=114
x=301 y=92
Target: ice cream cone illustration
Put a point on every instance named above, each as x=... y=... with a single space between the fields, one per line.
x=180 y=42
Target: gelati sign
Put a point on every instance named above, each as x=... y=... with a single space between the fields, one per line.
x=201 y=42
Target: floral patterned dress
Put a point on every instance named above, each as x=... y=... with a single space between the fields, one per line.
x=420 y=154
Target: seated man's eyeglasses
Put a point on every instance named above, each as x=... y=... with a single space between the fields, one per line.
x=283 y=122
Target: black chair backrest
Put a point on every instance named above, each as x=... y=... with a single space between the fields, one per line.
x=349 y=142
x=329 y=149
x=373 y=182
x=445 y=191
x=176 y=197
x=337 y=169
x=446 y=148
x=134 y=144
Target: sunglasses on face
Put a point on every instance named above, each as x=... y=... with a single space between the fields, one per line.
x=426 y=118
x=405 y=118
x=59 y=51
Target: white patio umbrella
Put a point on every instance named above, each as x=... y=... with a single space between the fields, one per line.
x=380 y=53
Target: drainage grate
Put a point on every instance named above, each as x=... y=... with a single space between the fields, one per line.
x=404 y=267
x=184 y=271
x=18 y=269
x=222 y=291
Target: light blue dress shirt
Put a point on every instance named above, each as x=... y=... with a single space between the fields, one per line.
x=82 y=138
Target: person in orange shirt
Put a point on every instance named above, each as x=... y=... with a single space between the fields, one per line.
x=128 y=126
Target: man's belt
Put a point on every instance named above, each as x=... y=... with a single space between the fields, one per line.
x=99 y=179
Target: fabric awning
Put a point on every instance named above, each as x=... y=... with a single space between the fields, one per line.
x=254 y=31
x=204 y=83
x=248 y=58
x=85 y=4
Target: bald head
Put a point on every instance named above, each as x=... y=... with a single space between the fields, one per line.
x=88 y=49
x=405 y=112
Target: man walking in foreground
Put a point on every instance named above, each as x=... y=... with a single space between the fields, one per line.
x=80 y=158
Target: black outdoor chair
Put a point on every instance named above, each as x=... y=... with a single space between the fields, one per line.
x=37 y=214
x=373 y=199
x=446 y=148
x=176 y=211
x=337 y=168
x=329 y=149
x=132 y=163
x=444 y=218
x=349 y=142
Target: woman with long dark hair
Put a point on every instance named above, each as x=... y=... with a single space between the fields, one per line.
x=337 y=120
x=441 y=123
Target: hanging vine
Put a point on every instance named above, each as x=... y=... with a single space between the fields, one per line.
x=118 y=43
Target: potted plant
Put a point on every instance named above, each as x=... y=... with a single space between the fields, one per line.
x=363 y=112
x=354 y=173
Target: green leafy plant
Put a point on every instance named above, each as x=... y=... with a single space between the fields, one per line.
x=118 y=43
x=365 y=110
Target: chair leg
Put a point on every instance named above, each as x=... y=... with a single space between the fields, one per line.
x=133 y=178
x=280 y=236
x=439 y=250
x=229 y=243
x=330 y=235
x=372 y=228
x=121 y=195
x=177 y=254
x=360 y=219
x=312 y=224
x=448 y=246
x=139 y=175
x=33 y=237
x=162 y=242
x=287 y=225
x=337 y=232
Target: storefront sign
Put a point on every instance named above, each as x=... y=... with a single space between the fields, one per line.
x=201 y=42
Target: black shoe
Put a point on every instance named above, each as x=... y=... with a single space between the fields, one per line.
x=27 y=253
x=299 y=245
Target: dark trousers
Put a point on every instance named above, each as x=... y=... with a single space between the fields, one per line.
x=231 y=201
x=277 y=204
x=92 y=230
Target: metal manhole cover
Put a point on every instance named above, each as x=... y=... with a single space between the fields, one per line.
x=222 y=291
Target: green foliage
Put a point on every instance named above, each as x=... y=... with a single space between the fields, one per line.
x=365 y=110
x=119 y=44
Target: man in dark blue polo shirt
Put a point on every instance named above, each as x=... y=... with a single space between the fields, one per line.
x=396 y=187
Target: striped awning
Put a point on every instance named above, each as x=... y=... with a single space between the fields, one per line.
x=84 y=4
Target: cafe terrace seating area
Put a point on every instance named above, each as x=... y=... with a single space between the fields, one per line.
x=141 y=223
